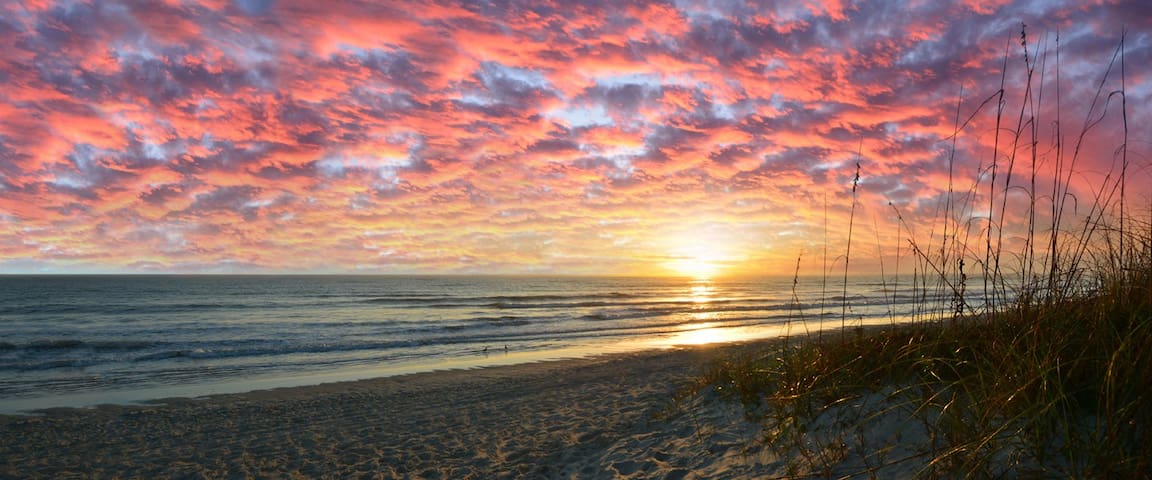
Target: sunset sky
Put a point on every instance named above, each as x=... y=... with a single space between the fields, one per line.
x=550 y=137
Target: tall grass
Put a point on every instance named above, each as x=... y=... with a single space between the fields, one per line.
x=1046 y=374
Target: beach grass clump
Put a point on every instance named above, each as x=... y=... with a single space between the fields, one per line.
x=1047 y=374
x=1058 y=389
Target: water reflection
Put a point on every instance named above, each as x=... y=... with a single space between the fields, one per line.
x=702 y=334
x=717 y=332
x=701 y=292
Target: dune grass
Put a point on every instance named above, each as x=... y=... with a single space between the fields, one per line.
x=1048 y=373
x=1053 y=389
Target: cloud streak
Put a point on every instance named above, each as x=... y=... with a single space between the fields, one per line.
x=514 y=137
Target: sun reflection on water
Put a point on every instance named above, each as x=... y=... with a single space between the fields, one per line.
x=702 y=292
x=703 y=334
x=718 y=332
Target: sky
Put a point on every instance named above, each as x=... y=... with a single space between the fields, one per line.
x=552 y=137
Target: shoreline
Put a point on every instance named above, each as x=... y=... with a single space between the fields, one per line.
x=707 y=335
x=146 y=395
x=601 y=417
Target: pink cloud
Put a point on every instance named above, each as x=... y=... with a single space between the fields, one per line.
x=565 y=137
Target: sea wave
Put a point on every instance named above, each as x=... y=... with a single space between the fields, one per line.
x=90 y=333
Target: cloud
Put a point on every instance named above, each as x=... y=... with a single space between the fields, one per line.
x=566 y=137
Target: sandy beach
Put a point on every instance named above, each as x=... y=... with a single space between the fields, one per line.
x=612 y=416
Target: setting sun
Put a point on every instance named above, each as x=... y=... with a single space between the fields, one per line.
x=700 y=256
x=695 y=267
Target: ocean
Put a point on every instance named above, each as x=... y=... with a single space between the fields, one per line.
x=73 y=341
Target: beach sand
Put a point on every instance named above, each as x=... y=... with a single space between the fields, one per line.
x=612 y=416
x=605 y=417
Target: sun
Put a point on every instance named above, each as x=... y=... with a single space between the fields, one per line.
x=699 y=261
x=698 y=253
x=695 y=267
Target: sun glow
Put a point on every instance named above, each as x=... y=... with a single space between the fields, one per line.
x=699 y=252
x=695 y=267
x=700 y=262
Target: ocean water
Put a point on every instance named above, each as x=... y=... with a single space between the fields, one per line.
x=85 y=340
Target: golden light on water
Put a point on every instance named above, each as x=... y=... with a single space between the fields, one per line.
x=717 y=332
x=704 y=329
x=705 y=334
x=701 y=292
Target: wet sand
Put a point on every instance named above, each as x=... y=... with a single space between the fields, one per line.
x=613 y=416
